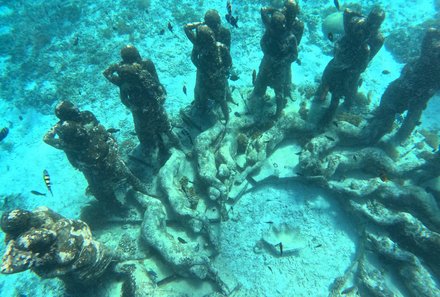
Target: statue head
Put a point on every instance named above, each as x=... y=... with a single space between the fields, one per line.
x=212 y=19
x=67 y=111
x=130 y=54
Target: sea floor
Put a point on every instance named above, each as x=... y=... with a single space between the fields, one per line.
x=329 y=236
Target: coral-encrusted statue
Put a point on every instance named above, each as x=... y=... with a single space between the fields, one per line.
x=352 y=53
x=418 y=82
x=280 y=48
x=142 y=92
x=92 y=150
x=52 y=246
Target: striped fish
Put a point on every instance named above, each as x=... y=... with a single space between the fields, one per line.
x=46 y=178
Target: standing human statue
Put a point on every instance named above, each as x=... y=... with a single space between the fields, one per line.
x=291 y=11
x=142 y=92
x=418 y=82
x=352 y=53
x=92 y=150
x=213 y=62
x=280 y=49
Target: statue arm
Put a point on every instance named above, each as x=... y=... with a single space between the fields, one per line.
x=189 y=31
x=266 y=13
x=111 y=75
x=50 y=139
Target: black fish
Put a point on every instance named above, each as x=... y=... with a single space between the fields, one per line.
x=237 y=114
x=298 y=153
x=254 y=77
x=46 y=178
x=336 y=2
x=386 y=72
x=20 y=117
x=280 y=245
x=270 y=269
x=186 y=133
x=329 y=138
x=37 y=193
x=113 y=130
x=162 y=32
x=3 y=133
x=360 y=82
x=330 y=36
x=184 y=89
x=269 y=222
x=232 y=20
x=229 y=7
x=318 y=245
x=234 y=77
x=181 y=240
x=170 y=27
x=298 y=61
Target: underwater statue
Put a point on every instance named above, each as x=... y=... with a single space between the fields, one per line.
x=93 y=151
x=52 y=246
x=213 y=62
x=296 y=26
x=142 y=92
x=418 y=82
x=352 y=53
x=280 y=48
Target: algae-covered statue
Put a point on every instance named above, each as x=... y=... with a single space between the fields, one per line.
x=280 y=48
x=418 y=82
x=93 y=151
x=352 y=53
x=142 y=92
x=213 y=62
x=52 y=246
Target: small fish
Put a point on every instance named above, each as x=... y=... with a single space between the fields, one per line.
x=348 y=290
x=298 y=153
x=234 y=77
x=254 y=77
x=3 y=133
x=170 y=27
x=383 y=177
x=269 y=222
x=280 y=245
x=386 y=72
x=232 y=20
x=360 y=82
x=355 y=157
x=46 y=179
x=113 y=130
x=237 y=114
x=37 y=193
x=229 y=7
x=75 y=41
x=186 y=133
x=184 y=89
x=336 y=124
x=329 y=138
x=20 y=117
x=318 y=246
x=331 y=37
x=181 y=240
x=418 y=123
x=336 y=2
x=298 y=61
x=132 y=133
x=270 y=269
x=162 y=32
x=152 y=274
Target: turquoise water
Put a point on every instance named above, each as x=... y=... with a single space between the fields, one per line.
x=57 y=50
